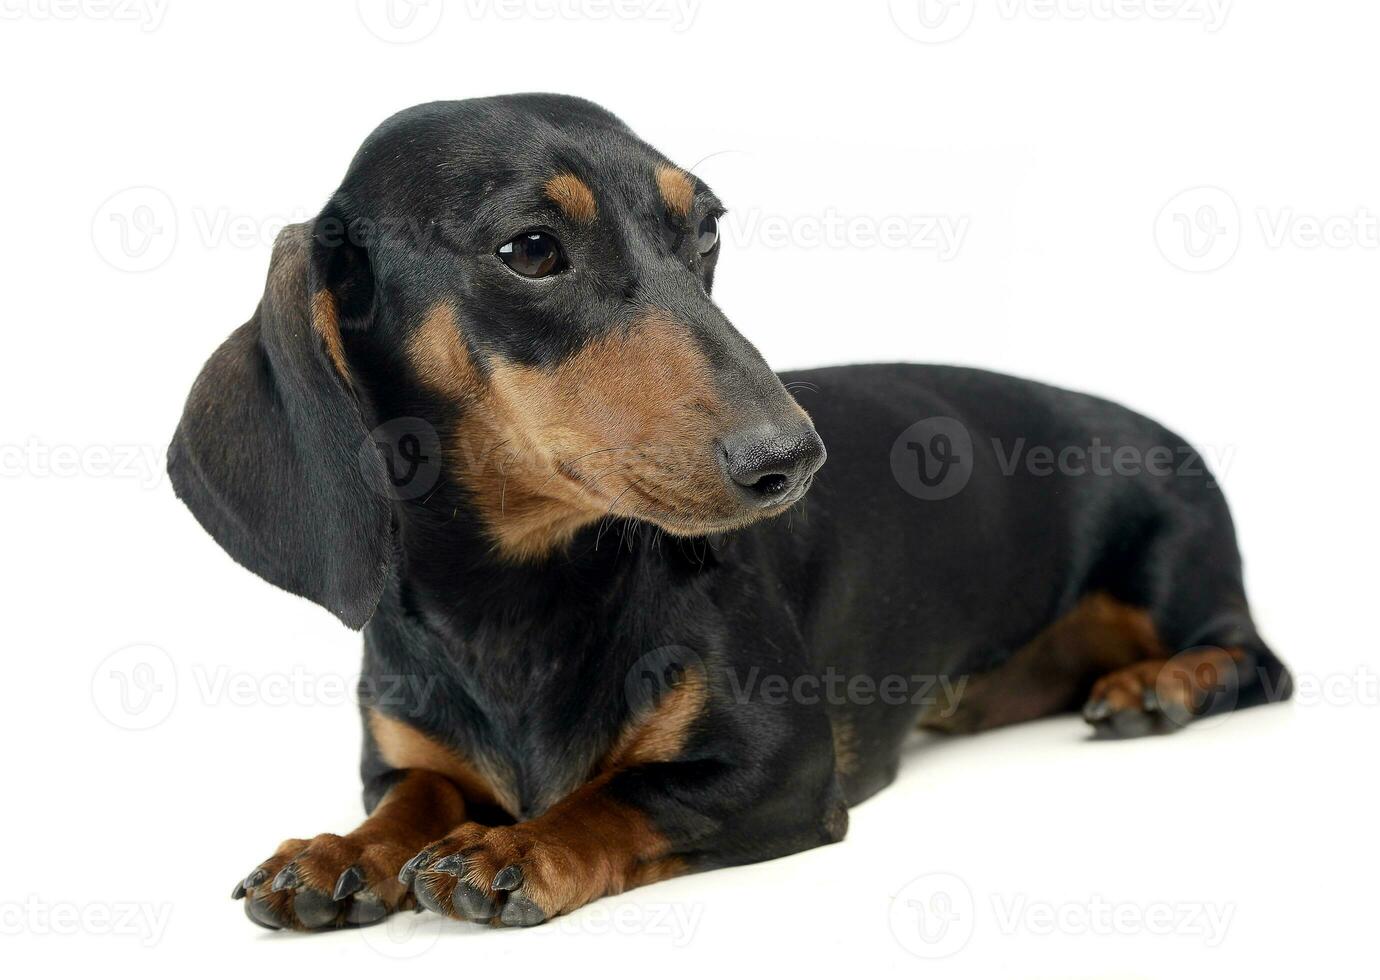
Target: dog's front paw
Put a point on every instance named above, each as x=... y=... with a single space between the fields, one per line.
x=324 y=883
x=505 y=875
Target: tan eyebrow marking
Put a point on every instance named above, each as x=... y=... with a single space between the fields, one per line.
x=573 y=196
x=677 y=189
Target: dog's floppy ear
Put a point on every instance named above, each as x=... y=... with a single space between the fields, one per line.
x=272 y=454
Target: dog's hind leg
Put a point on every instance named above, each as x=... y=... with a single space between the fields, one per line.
x=1163 y=636
x=1188 y=578
x=1053 y=672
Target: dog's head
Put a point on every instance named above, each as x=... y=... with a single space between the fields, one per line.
x=531 y=282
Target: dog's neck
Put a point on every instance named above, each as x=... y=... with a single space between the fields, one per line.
x=452 y=571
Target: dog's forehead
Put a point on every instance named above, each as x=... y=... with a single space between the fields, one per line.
x=640 y=182
x=485 y=167
x=578 y=168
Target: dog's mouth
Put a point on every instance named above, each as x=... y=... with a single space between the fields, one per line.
x=703 y=499
x=685 y=523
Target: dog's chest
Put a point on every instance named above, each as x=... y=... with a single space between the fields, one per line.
x=522 y=709
x=538 y=725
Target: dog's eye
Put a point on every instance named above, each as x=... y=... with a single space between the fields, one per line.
x=708 y=235
x=534 y=255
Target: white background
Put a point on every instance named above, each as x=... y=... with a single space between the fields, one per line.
x=1050 y=138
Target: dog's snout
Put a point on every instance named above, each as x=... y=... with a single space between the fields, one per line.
x=771 y=465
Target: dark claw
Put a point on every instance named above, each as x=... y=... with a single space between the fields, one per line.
x=1095 y=711
x=287 y=878
x=350 y=881
x=522 y=911
x=314 y=909
x=471 y=903
x=509 y=879
x=410 y=869
x=256 y=878
x=239 y=890
x=451 y=864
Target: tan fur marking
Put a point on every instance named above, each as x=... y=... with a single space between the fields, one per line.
x=649 y=872
x=573 y=196
x=404 y=747
x=660 y=735
x=625 y=426
x=612 y=842
x=438 y=354
x=677 y=189
x=326 y=320
x=845 y=747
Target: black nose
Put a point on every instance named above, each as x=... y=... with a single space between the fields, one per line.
x=771 y=465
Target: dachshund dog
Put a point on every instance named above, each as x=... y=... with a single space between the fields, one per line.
x=488 y=412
